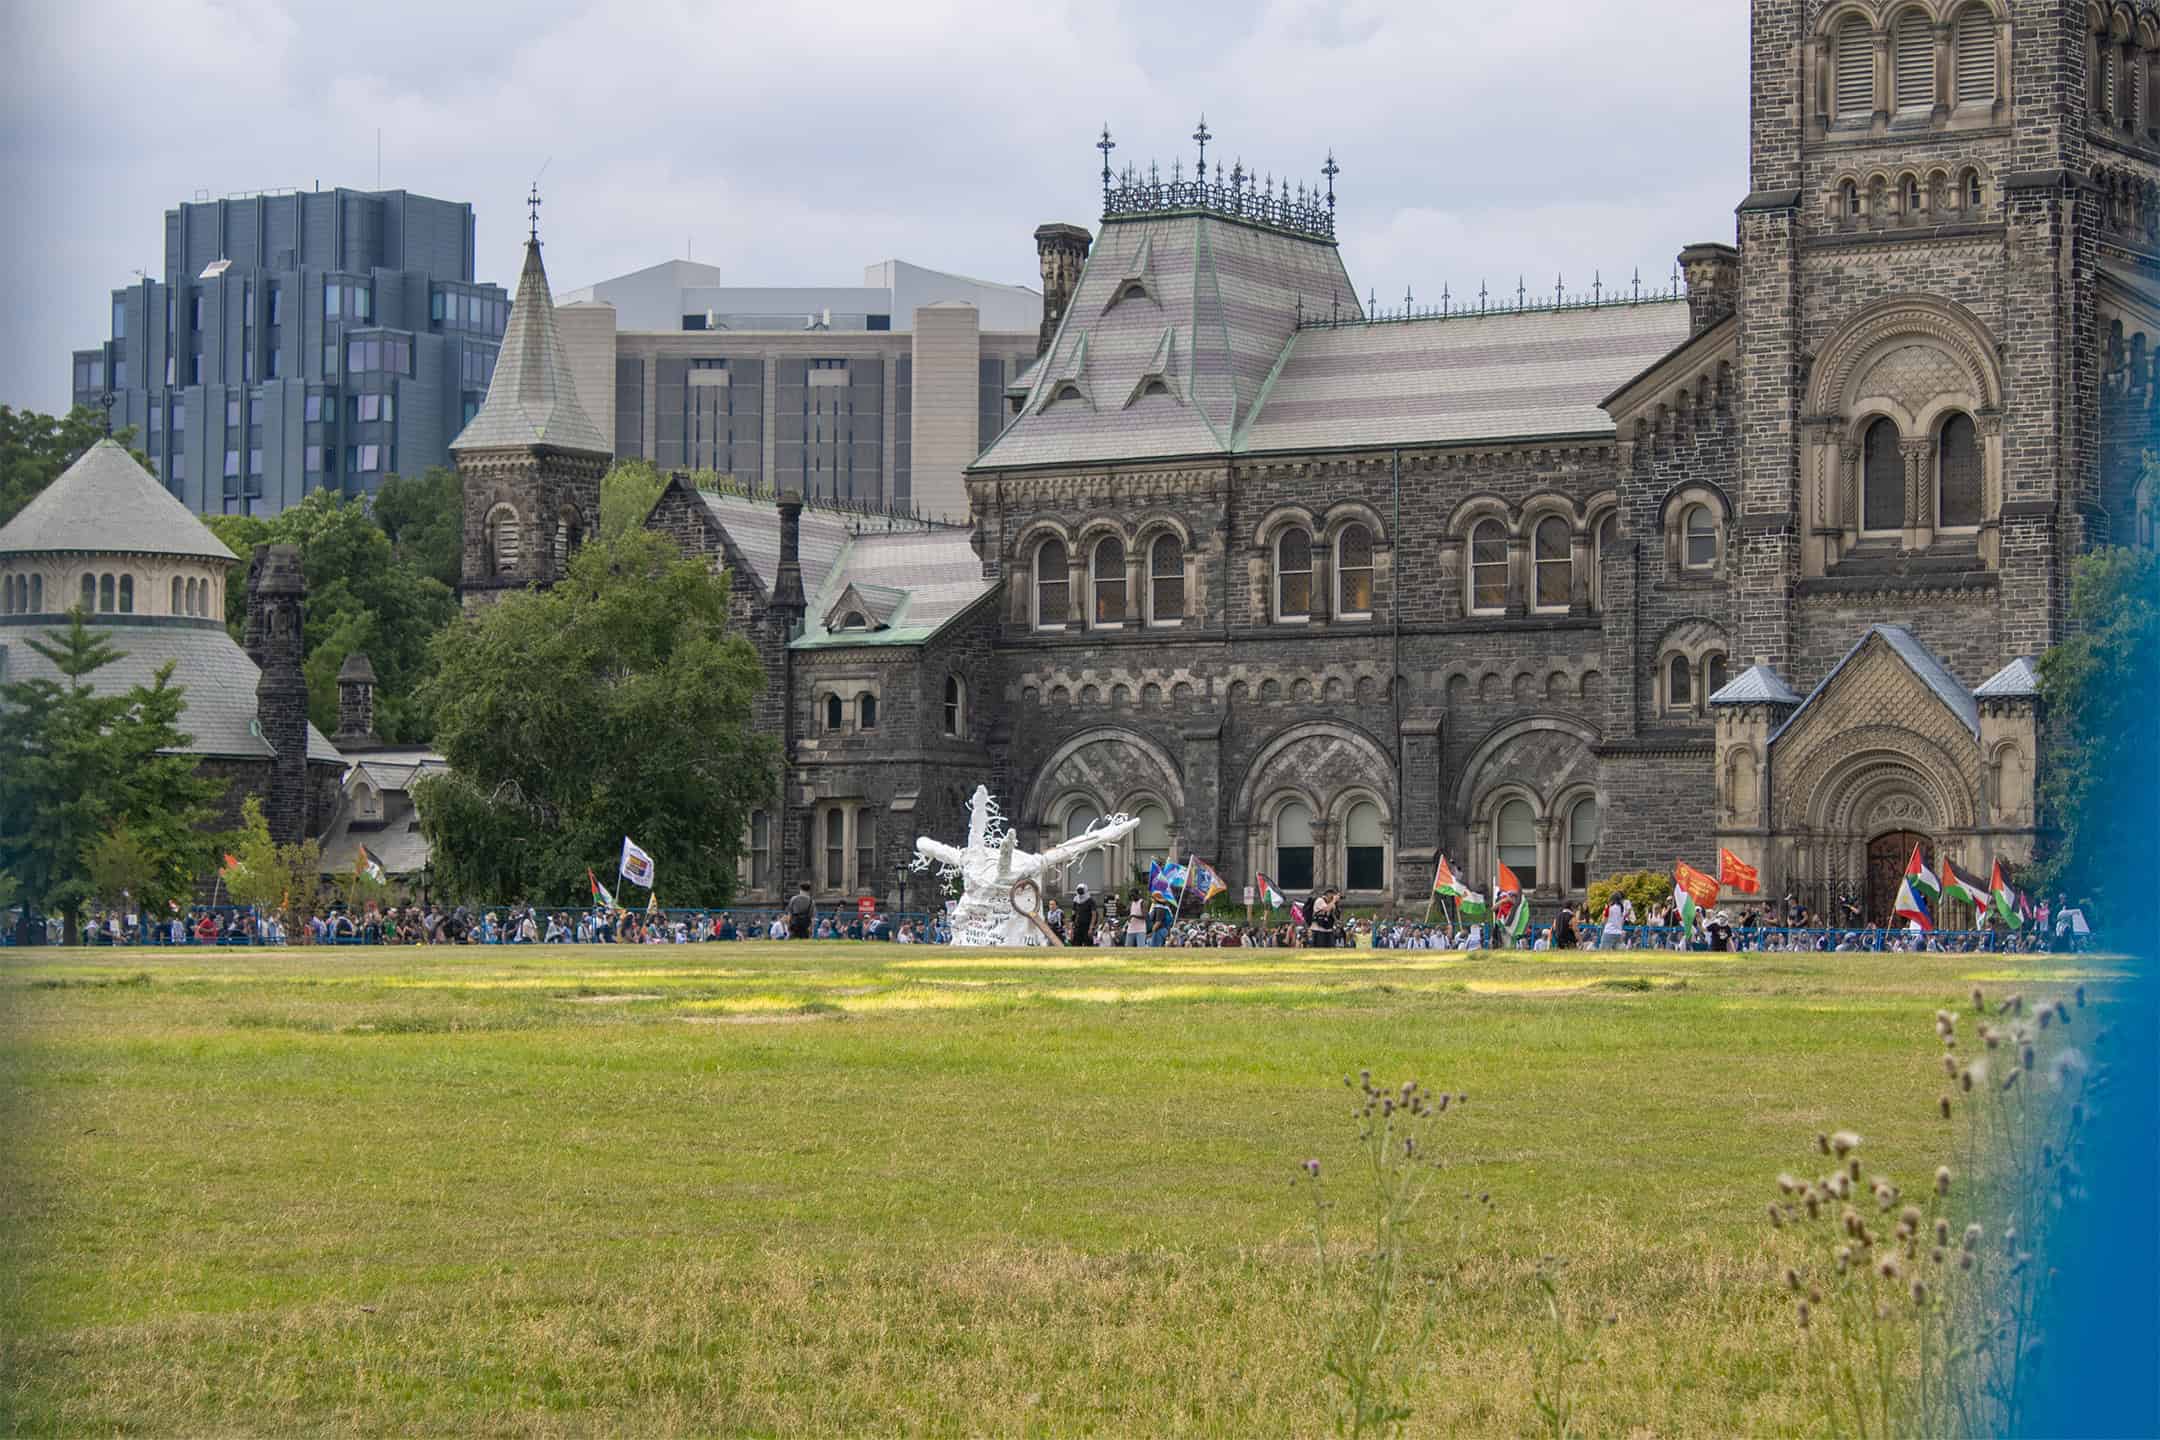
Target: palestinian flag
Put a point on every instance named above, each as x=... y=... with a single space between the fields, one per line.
x=1508 y=884
x=1701 y=888
x=365 y=864
x=1518 y=919
x=1686 y=901
x=1269 y=895
x=2003 y=900
x=1918 y=893
x=1475 y=907
x=1446 y=886
x=600 y=894
x=1957 y=887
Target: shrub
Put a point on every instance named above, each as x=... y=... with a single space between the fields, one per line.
x=1647 y=888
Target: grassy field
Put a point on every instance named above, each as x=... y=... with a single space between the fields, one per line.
x=849 y=1189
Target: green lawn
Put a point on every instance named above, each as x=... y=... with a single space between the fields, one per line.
x=849 y=1189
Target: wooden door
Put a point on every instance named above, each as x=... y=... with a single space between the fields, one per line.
x=1887 y=856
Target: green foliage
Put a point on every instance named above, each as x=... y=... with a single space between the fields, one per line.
x=82 y=765
x=121 y=870
x=1647 y=888
x=35 y=449
x=614 y=704
x=627 y=493
x=361 y=596
x=2101 y=774
x=280 y=878
x=424 y=516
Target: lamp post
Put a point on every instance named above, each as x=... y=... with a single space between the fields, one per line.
x=900 y=874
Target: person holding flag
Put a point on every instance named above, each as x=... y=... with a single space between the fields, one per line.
x=1918 y=893
x=1445 y=887
x=2003 y=900
x=1509 y=911
x=636 y=865
x=365 y=864
x=1201 y=876
x=601 y=899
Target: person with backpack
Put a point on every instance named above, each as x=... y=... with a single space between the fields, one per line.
x=801 y=911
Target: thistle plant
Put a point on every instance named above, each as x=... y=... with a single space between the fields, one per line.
x=1917 y=1309
x=1372 y=1355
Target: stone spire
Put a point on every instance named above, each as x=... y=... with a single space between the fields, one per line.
x=532 y=399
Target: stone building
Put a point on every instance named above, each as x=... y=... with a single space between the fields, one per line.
x=1577 y=584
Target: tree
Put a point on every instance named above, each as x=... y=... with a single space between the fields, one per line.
x=361 y=596
x=35 y=449
x=80 y=764
x=282 y=879
x=616 y=703
x=424 y=516
x=2101 y=780
x=1647 y=888
x=627 y=493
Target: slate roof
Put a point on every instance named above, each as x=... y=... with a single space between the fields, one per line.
x=754 y=526
x=219 y=678
x=1756 y=685
x=396 y=841
x=1921 y=660
x=105 y=503
x=532 y=400
x=2016 y=680
x=934 y=575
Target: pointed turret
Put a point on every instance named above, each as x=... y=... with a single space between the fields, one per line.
x=532 y=399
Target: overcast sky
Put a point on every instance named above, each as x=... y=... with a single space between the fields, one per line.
x=795 y=143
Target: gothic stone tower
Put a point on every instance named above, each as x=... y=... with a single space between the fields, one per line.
x=276 y=612
x=531 y=460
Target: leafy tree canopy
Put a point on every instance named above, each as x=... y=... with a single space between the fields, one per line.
x=82 y=767
x=1647 y=888
x=627 y=493
x=424 y=516
x=35 y=449
x=2101 y=777
x=360 y=596
x=615 y=704
x=279 y=878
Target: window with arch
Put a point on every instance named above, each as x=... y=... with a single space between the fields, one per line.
x=1848 y=206
x=1969 y=190
x=1882 y=483
x=835 y=848
x=1293 y=847
x=955 y=707
x=760 y=850
x=1053 y=584
x=854 y=620
x=1698 y=538
x=1909 y=196
x=1166 y=580
x=1853 y=96
x=1714 y=674
x=1488 y=567
x=127 y=594
x=2103 y=78
x=367 y=801
x=866 y=712
x=1354 y=572
x=179 y=592
x=1604 y=538
x=1293 y=574
x=1107 y=579
x=502 y=537
x=1091 y=869
x=89 y=592
x=567 y=537
x=1515 y=841
x=105 y=594
x=1582 y=836
x=1151 y=840
x=1957 y=473
x=866 y=863
x=1679 y=686
x=835 y=714
x=1973 y=46
x=1364 y=848
x=1912 y=43
x=1554 y=566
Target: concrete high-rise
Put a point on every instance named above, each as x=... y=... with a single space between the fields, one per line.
x=299 y=340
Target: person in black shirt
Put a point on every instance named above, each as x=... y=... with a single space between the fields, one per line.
x=800 y=911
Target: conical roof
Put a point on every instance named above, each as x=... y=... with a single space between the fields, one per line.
x=532 y=399
x=105 y=503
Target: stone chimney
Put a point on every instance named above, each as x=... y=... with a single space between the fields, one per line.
x=1713 y=283
x=787 y=597
x=1061 y=250
x=356 y=705
x=276 y=613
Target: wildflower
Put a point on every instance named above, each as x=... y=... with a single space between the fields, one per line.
x=1979 y=1000
x=2065 y=1067
x=1950 y=1066
x=1919 y=1292
x=1844 y=1258
x=1792 y=1278
x=1937 y=1254
x=1814 y=1295
x=1312 y=1168
x=2015 y=1004
x=1972 y=1236
x=1911 y=1216
x=1777 y=1219
x=1942 y=1180
x=1991 y=1035
x=2047 y=1018
x=1888 y=1267
x=1844 y=1143
x=1822 y=1142
x=1965 y=1260
x=1786 y=1184
x=1944 y=1104
x=2025 y=1057
x=1814 y=1205
x=1803 y=1312
x=1944 y=1020
x=1942 y=1231
x=1851 y=1221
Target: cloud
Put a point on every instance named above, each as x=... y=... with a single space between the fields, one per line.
x=797 y=143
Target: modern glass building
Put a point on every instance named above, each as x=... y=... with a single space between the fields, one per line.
x=299 y=340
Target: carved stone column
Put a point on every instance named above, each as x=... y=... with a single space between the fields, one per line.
x=1919 y=511
x=1517 y=561
x=1549 y=878
x=1849 y=497
x=1990 y=423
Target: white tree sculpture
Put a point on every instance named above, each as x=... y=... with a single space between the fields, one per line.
x=991 y=866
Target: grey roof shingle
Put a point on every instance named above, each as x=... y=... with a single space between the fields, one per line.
x=1921 y=660
x=219 y=678
x=754 y=526
x=934 y=575
x=396 y=843
x=1756 y=685
x=2015 y=681
x=532 y=400
x=105 y=503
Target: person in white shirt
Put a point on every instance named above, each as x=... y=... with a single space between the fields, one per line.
x=1619 y=914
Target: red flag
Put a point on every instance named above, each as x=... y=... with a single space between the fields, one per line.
x=1508 y=883
x=1741 y=877
x=1703 y=888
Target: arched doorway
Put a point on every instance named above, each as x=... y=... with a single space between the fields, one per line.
x=1887 y=856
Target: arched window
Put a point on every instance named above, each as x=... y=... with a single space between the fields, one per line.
x=854 y=620
x=127 y=594
x=1555 y=572
x=1090 y=870
x=1364 y=848
x=89 y=592
x=1969 y=188
x=1582 y=832
x=179 y=601
x=1679 y=686
x=1293 y=848
x=1515 y=837
x=1849 y=200
x=835 y=848
x=1354 y=572
x=835 y=714
x=1957 y=467
x=866 y=858
x=1607 y=537
x=955 y=707
x=1909 y=196
x=567 y=538
x=1714 y=674
x=105 y=593
x=2103 y=78
x=502 y=534
x=1293 y=574
x=1151 y=841
x=1698 y=538
x=1854 y=97
x=760 y=850
x=1166 y=580
x=2131 y=64
x=1975 y=51
x=1913 y=48
x=1882 y=504
x=866 y=712
x=1108 y=570
x=1488 y=567
x=1053 y=584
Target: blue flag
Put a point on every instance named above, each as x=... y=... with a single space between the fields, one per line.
x=1166 y=879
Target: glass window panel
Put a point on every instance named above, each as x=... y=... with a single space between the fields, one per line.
x=1293 y=847
x=866 y=868
x=1053 y=583
x=1555 y=568
x=1354 y=570
x=1679 y=686
x=1582 y=840
x=1882 y=506
x=1700 y=539
x=1166 y=570
x=1109 y=580
x=1488 y=566
x=1293 y=575
x=1959 y=463
x=1517 y=841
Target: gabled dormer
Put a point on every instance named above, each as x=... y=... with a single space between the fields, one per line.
x=1067 y=381
x=1160 y=376
x=1137 y=280
x=862 y=609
